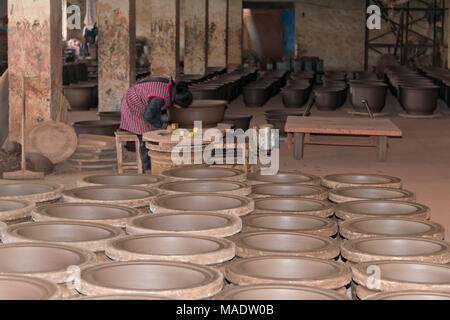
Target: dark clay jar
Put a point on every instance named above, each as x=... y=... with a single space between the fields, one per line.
x=420 y=100
x=373 y=92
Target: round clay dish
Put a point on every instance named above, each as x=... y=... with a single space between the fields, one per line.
x=293 y=205
x=125 y=297
x=289 y=270
x=390 y=227
x=136 y=180
x=170 y=247
x=203 y=202
x=410 y=295
x=200 y=224
x=14 y=287
x=289 y=190
x=135 y=197
x=116 y=216
x=382 y=209
x=269 y=243
x=290 y=223
x=396 y=248
x=337 y=181
x=83 y=235
x=172 y=279
x=277 y=292
x=206 y=186
x=283 y=177
x=31 y=191
x=15 y=209
x=205 y=174
x=370 y=193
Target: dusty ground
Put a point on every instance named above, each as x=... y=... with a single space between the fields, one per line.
x=421 y=158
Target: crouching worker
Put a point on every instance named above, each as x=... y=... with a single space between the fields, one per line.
x=144 y=103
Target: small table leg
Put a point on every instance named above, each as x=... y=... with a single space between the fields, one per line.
x=382 y=147
x=299 y=145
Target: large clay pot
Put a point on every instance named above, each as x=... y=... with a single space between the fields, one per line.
x=210 y=112
x=327 y=99
x=295 y=97
x=255 y=96
x=97 y=127
x=109 y=116
x=419 y=100
x=80 y=97
x=239 y=121
x=373 y=92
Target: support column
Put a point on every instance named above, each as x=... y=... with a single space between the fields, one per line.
x=235 y=19
x=196 y=33
x=35 y=51
x=217 y=33
x=116 y=51
x=165 y=37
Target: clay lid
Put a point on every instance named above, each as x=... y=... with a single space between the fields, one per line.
x=289 y=190
x=84 y=235
x=403 y=275
x=289 y=270
x=205 y=174
x=31 y=191
x=410 y=295
x=201 y=224
x=278 y=292
x=370 y=193
x=171 y=247
x=172 y=279
x=137 y=180
x=336 y=181
x=390 y=227
x=202 y=202
x=14 y=287
x=283 y=177
x=125 y=297
x=136 y=197
x=15 y=209
x=269 y=243
x=42 y=260
x=116 y=216
x=290 y=223
x=382 y=208
x=396 y=248
x=202 y=186
x=294 y=205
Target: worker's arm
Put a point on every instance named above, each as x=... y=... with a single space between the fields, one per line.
x=153 y=112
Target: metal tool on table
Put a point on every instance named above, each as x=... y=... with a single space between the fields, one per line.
x=369 y=111
x=308 y=109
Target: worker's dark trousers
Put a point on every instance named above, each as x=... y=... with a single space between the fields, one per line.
x=146 y=165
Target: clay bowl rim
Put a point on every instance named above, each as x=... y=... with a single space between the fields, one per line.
x=337 y=194
x=368 y=84
x=325 y=205
x=238 y=175
x=21 y=212
x=52 y=291
x=208 y=103
x=340 y=278
x=318 y=191
x=314 y=180
x=396 y=294
x=124 y=297
x=53 y=194
x=135 y=224
x=331 y=181
x=242 y=189
x=86 y=181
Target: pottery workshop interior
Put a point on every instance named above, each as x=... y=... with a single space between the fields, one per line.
x=220 y=150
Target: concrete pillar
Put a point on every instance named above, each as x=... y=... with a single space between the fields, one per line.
x=196 y=37
x=217 y=33
x=165 y=31
x=235 y=19
x=116 y=51
x=35 y=51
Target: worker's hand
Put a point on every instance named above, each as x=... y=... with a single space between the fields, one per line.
x=177 y=106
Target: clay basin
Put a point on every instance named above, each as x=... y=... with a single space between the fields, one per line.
x=270 y=243
x=336 y=181
x=396 y=248
x=201 y=224
x=31 y=191
x=42 y=260
x=15 y=209
x=137 y=180
x=27 y=288
x=289 y=190
x=277 y=292
x=289 y=270
x=256 y=95
x=290 y=223
x=294 y=205
x=125 y=297
x=84 y=235
x=172 y=279
x=370 y=193
x=382 y=208
x=80 y=97
x=283 y=177
x=97 y=127
x=410 y=295
x=112 y=215
x=327 y=99
x=202 y=186
x=295 y=97
x=110 y=116
x=373 y=92
x=390 y=227
x=202 y=202
x=205 y=174
x=169 y=247
x=135 y=197
x=239 y=121
x=419 y=100
x=210 y=112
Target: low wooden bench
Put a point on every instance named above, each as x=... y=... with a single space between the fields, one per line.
x=300 y=129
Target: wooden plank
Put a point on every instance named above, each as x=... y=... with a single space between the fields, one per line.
x=343 y=126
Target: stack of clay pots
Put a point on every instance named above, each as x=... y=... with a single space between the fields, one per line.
x=257 y=93
x=367 y=87
x=298 y=88
x=81 y=92
x=333 y=94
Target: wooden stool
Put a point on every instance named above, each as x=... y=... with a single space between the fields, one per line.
x=122 y=138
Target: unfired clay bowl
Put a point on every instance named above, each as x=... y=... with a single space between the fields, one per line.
x=137 y=180
x=31 y=191
x=410 y=295
x=336 y=181
x=283 y=177
x=15 y=209
x=370 y=193
x=289 y=190
x=202 y=186
x=14 y=287
x=294 y=205
x=204 y=174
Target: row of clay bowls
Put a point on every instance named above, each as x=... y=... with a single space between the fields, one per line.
x=257 y=93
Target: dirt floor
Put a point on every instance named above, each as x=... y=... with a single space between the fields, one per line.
x=421 y=158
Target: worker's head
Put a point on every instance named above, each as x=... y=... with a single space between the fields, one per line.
x=182 y=95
